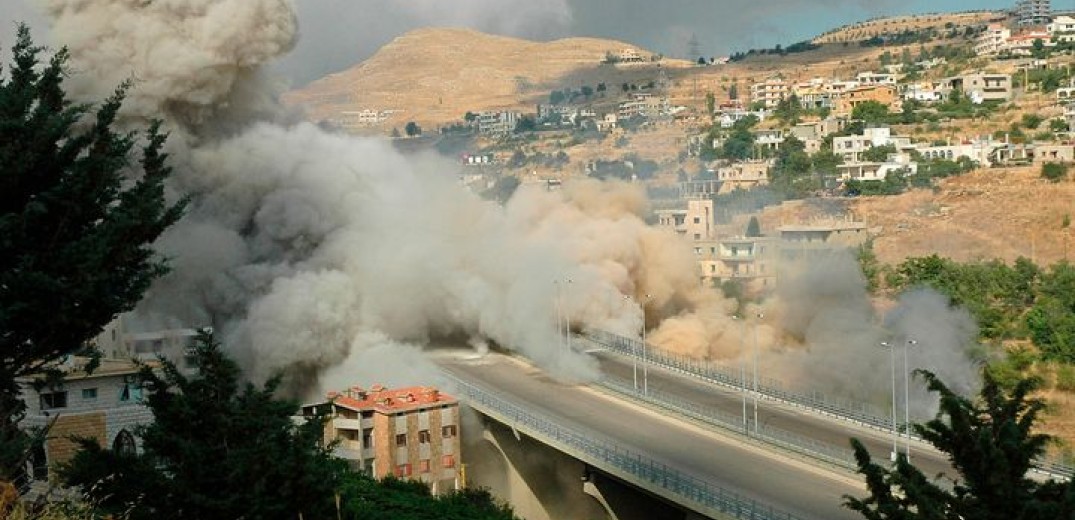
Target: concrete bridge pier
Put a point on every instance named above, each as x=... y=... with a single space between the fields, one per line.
x=542 y=483
x=623 y=502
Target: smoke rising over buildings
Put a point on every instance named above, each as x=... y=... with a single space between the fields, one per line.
x=333 y=257
x=308 y=250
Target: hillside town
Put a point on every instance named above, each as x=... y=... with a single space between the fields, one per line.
x=387 y=263
x=927 y=104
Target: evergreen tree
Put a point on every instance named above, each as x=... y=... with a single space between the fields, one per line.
x=74 y=236
x=753 y=228
x=216 y=449
x=990 y=443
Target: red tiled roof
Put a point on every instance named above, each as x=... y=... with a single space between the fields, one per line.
x=387 y=401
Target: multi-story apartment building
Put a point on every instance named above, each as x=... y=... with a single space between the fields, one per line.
x=497 y=122
x=695 y=222
x=1033 y=12
x=769 y=92
x=1062 y=29
x=992 y=41
x=982 y=86
x=105 y=405
x=804 y=240
x=846 y=101
x=644 y=104
x=411 y=433
x=745 y=259
x=744 y=175
x=851 y=147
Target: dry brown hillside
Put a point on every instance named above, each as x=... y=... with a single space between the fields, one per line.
x=897 y=24
x=990 y=213
x=436 y=75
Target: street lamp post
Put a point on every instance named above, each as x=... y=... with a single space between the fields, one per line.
x=742 y=369
x=559 y=318
x=892 y=364
x=567 y=316
x=634 y=353
x=907 y=397
x=645 y=360
x=760 y=316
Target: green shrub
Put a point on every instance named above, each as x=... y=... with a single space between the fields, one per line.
x=1054 y=172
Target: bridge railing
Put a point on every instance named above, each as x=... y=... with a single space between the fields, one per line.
x=730 y=376
x=735 y=423
x=609 y=456
x=860 y=412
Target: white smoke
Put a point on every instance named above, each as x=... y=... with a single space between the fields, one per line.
x=310 y=250
x=324 y=255
x=189 y=59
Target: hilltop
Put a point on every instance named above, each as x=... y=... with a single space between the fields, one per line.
x=435 y=75
x=892 y=25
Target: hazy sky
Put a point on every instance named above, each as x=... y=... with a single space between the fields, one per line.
x=339 y=33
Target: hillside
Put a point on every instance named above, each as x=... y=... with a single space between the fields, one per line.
x=436 y=75
x=990 y=213
x=898 y=24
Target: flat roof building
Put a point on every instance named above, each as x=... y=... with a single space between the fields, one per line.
x=411 y=433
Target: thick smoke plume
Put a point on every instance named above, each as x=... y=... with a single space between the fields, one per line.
x=313 y=252
x=823 y=333
x=337 y=258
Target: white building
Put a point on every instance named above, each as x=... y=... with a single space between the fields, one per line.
x=769 y=92
x=105 y=405
x=896 y=164
x=644 y=105
x=852 y=146
x=875 y=78
x=497 y=123
x=978 y=150
x=1062 y=29
x=924 y=92
x=992 y=41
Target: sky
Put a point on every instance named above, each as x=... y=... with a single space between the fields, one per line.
x=337 y=34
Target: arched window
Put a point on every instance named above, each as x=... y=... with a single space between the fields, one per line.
x=124 y=443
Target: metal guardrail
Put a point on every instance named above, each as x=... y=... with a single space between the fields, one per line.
x=600 y=450
x=729 y=376
x=861 y=413
x=736 y=424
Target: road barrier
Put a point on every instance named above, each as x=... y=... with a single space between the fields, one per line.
x=858 y=412
x=602 y=453
x=736 y=423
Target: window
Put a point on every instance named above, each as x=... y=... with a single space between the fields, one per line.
x=423 y=436
x=52 y=400
x=130 y=392
x=423 y=466
x=697 y=220
x=401 y=440
x=124 y=444
x=367 y=437
x=448 y=431
x=448 y=461
x=368 y=414
x=403 y=470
